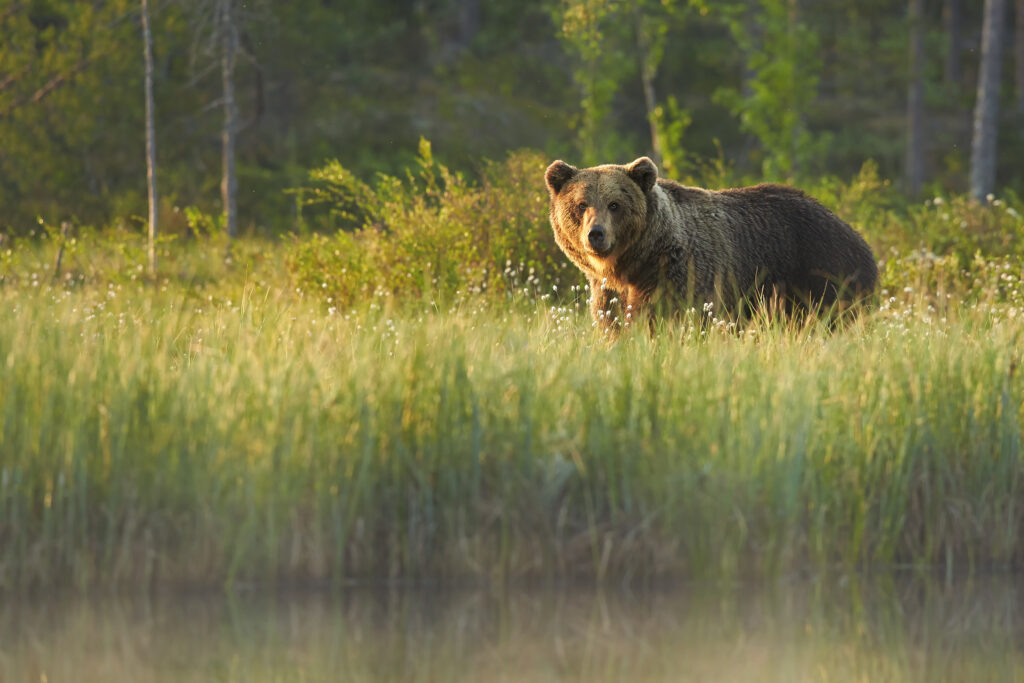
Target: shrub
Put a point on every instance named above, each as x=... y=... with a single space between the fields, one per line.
x=964 y=228
x=431 y=234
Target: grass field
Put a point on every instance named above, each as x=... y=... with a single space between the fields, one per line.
x=219 y=426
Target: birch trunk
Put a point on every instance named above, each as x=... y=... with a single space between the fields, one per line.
x=648 y=70
x=150 y=137
x=986 y=109
x=229 y=181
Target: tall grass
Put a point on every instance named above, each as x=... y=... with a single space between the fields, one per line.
x=253 y=434
x=424 y=396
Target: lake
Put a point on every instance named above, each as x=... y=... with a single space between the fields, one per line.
x=884 y=629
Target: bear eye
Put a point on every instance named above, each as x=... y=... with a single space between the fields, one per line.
x=582 y=207
x=613 y=206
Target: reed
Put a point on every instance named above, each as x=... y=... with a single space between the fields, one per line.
x=246 y=432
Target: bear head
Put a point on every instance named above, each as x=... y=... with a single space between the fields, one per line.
x=596 y=213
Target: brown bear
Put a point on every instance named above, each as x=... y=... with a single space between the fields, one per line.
x=642 y=240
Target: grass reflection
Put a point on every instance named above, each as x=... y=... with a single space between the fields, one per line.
x=893 y=628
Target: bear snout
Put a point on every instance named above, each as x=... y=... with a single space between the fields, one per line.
x=598 y=238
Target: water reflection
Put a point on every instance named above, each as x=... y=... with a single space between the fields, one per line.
x=896 y=629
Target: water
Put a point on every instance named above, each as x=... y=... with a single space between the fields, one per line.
x=894 y=629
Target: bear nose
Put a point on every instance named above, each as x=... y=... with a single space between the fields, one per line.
x=596 y=236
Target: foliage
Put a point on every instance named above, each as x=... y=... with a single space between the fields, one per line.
x=782 y=63
x=609 y=41
x=432 y=234
x=804 y=89
x=672 y=122
x=960 y=226
x=59 y=153
x=193 y=261
x=587 y=28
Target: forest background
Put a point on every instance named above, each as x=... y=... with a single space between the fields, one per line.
x=764 y=89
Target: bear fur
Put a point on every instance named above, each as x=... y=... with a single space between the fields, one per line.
x=647 y=241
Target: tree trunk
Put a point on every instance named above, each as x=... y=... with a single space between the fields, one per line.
x=648 y=70
x=229 y=182
x=651 y=104
x=150 y=137
x=469 y=22
x=801 y=119
x=953 y=17
x=915 y=99
x=986 y=108
x=1018 y=53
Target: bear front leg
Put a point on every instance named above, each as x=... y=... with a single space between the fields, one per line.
x=637 y=310
x=601 y=307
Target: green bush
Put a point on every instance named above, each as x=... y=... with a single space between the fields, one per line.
x=964 y=228
x=922 y=276
x=432 y=234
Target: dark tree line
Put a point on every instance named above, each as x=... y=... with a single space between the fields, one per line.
x=246 y=96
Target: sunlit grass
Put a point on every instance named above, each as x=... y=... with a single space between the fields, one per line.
x=238 y=430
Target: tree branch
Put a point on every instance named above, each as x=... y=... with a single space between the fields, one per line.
x=61 y=78
x=13 y=78
x=50 y=86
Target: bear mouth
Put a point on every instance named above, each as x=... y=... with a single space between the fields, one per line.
x=603 y=252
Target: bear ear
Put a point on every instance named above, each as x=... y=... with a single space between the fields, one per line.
x=644 y=173
x=557 y=175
